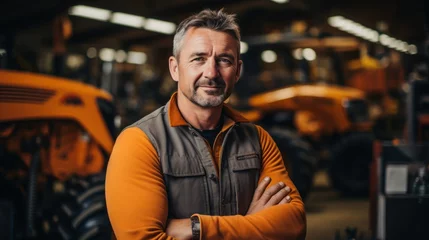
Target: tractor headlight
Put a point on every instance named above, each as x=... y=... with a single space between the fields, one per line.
x=357 y=110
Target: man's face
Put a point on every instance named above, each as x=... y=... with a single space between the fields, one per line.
x=208 y=66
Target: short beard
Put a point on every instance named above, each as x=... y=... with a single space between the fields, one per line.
x=207 y=103
x=214 y=100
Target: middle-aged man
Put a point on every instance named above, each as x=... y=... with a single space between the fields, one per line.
x=195 y=168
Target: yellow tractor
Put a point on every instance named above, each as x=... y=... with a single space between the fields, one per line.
x=56 y=136
x=314 y=123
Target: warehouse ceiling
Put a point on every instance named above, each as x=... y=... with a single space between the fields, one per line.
x=30 y=22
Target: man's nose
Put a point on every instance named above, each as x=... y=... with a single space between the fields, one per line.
x=211 y=70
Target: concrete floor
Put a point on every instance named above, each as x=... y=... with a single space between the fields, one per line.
x=328 y=212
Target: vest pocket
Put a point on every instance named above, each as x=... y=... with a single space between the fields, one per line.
x=246 y=169
x=186 y=186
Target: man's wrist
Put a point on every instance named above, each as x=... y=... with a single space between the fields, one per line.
x=195 y=225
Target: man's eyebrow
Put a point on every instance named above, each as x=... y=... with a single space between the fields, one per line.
x=198 y=54
x=202 y=54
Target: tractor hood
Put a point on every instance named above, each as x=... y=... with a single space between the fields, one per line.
x=47 y=82
x=30 y=96
x=292 y=98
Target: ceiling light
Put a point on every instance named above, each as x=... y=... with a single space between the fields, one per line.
x=74 y=61
x=335 y=21
x=350 y=26
x=365 y=32
x=369 y=34
x=397 y=45
x=345 y=25
x=297 y=54
x=127 y=19
x=385 y=39
x=90 y=12
x=392 y=43
x=404 y=46
x=136 y=57
x=107 y=54
x=269 y=56
x=359 y=32
x=357 y=29
x=243 y=47
x=412 y=49
x=159 y=26
x=117 y=120
x=120 y=56
x=373 y=36
x=91 y=52
x=309 y=54
x=280 y=1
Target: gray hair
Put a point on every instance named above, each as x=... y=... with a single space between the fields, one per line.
x=214 y=20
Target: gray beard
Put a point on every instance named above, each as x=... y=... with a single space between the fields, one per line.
x=215 y=101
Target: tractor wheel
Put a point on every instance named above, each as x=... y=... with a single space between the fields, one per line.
x=79 y=212
x=350 y=162
x=300 y=159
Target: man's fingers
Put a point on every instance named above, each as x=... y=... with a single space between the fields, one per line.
x=286 y=199
x=271 y=191
x=276 y=198
x=283 y=201
x=261 y=188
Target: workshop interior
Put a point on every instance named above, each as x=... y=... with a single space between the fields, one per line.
x=341 y=86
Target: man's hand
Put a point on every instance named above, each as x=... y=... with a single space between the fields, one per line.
x=264 y=198
x=179 y=228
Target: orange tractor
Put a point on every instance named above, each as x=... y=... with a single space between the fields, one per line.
x=56 y=136
x=314 y=123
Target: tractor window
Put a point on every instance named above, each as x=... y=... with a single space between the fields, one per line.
x=108 y=112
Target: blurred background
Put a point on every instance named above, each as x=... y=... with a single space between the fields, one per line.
x=342 y=87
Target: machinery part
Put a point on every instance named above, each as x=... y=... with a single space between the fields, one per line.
x=34 y=145
x=32 y=194
x=79 y=212
x=350 y=160
x=300 y=159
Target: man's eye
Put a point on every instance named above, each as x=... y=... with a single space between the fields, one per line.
x=198 y=59
x=224 y=60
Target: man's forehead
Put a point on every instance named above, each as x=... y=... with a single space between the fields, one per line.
x=202 y=39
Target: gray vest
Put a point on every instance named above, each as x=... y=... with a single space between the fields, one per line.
x=191 y=181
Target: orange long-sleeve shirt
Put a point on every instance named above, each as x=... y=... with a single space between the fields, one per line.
x=137 y=201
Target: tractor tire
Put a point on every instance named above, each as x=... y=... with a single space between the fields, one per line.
x=79 y=212
x=300 y=159
x=350 y=162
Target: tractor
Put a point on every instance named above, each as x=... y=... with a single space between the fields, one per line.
x=56 y=135
x=319 y=126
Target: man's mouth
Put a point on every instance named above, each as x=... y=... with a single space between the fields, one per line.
x=212 y=90
x=211 y=87
x=210 y=84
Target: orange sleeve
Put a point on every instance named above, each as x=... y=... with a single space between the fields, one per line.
x=286 y=221
x=135 y=194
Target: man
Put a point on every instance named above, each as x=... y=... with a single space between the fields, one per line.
x=195 y=168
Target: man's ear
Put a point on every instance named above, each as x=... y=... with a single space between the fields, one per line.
x=239 y=69
x=174 y=68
